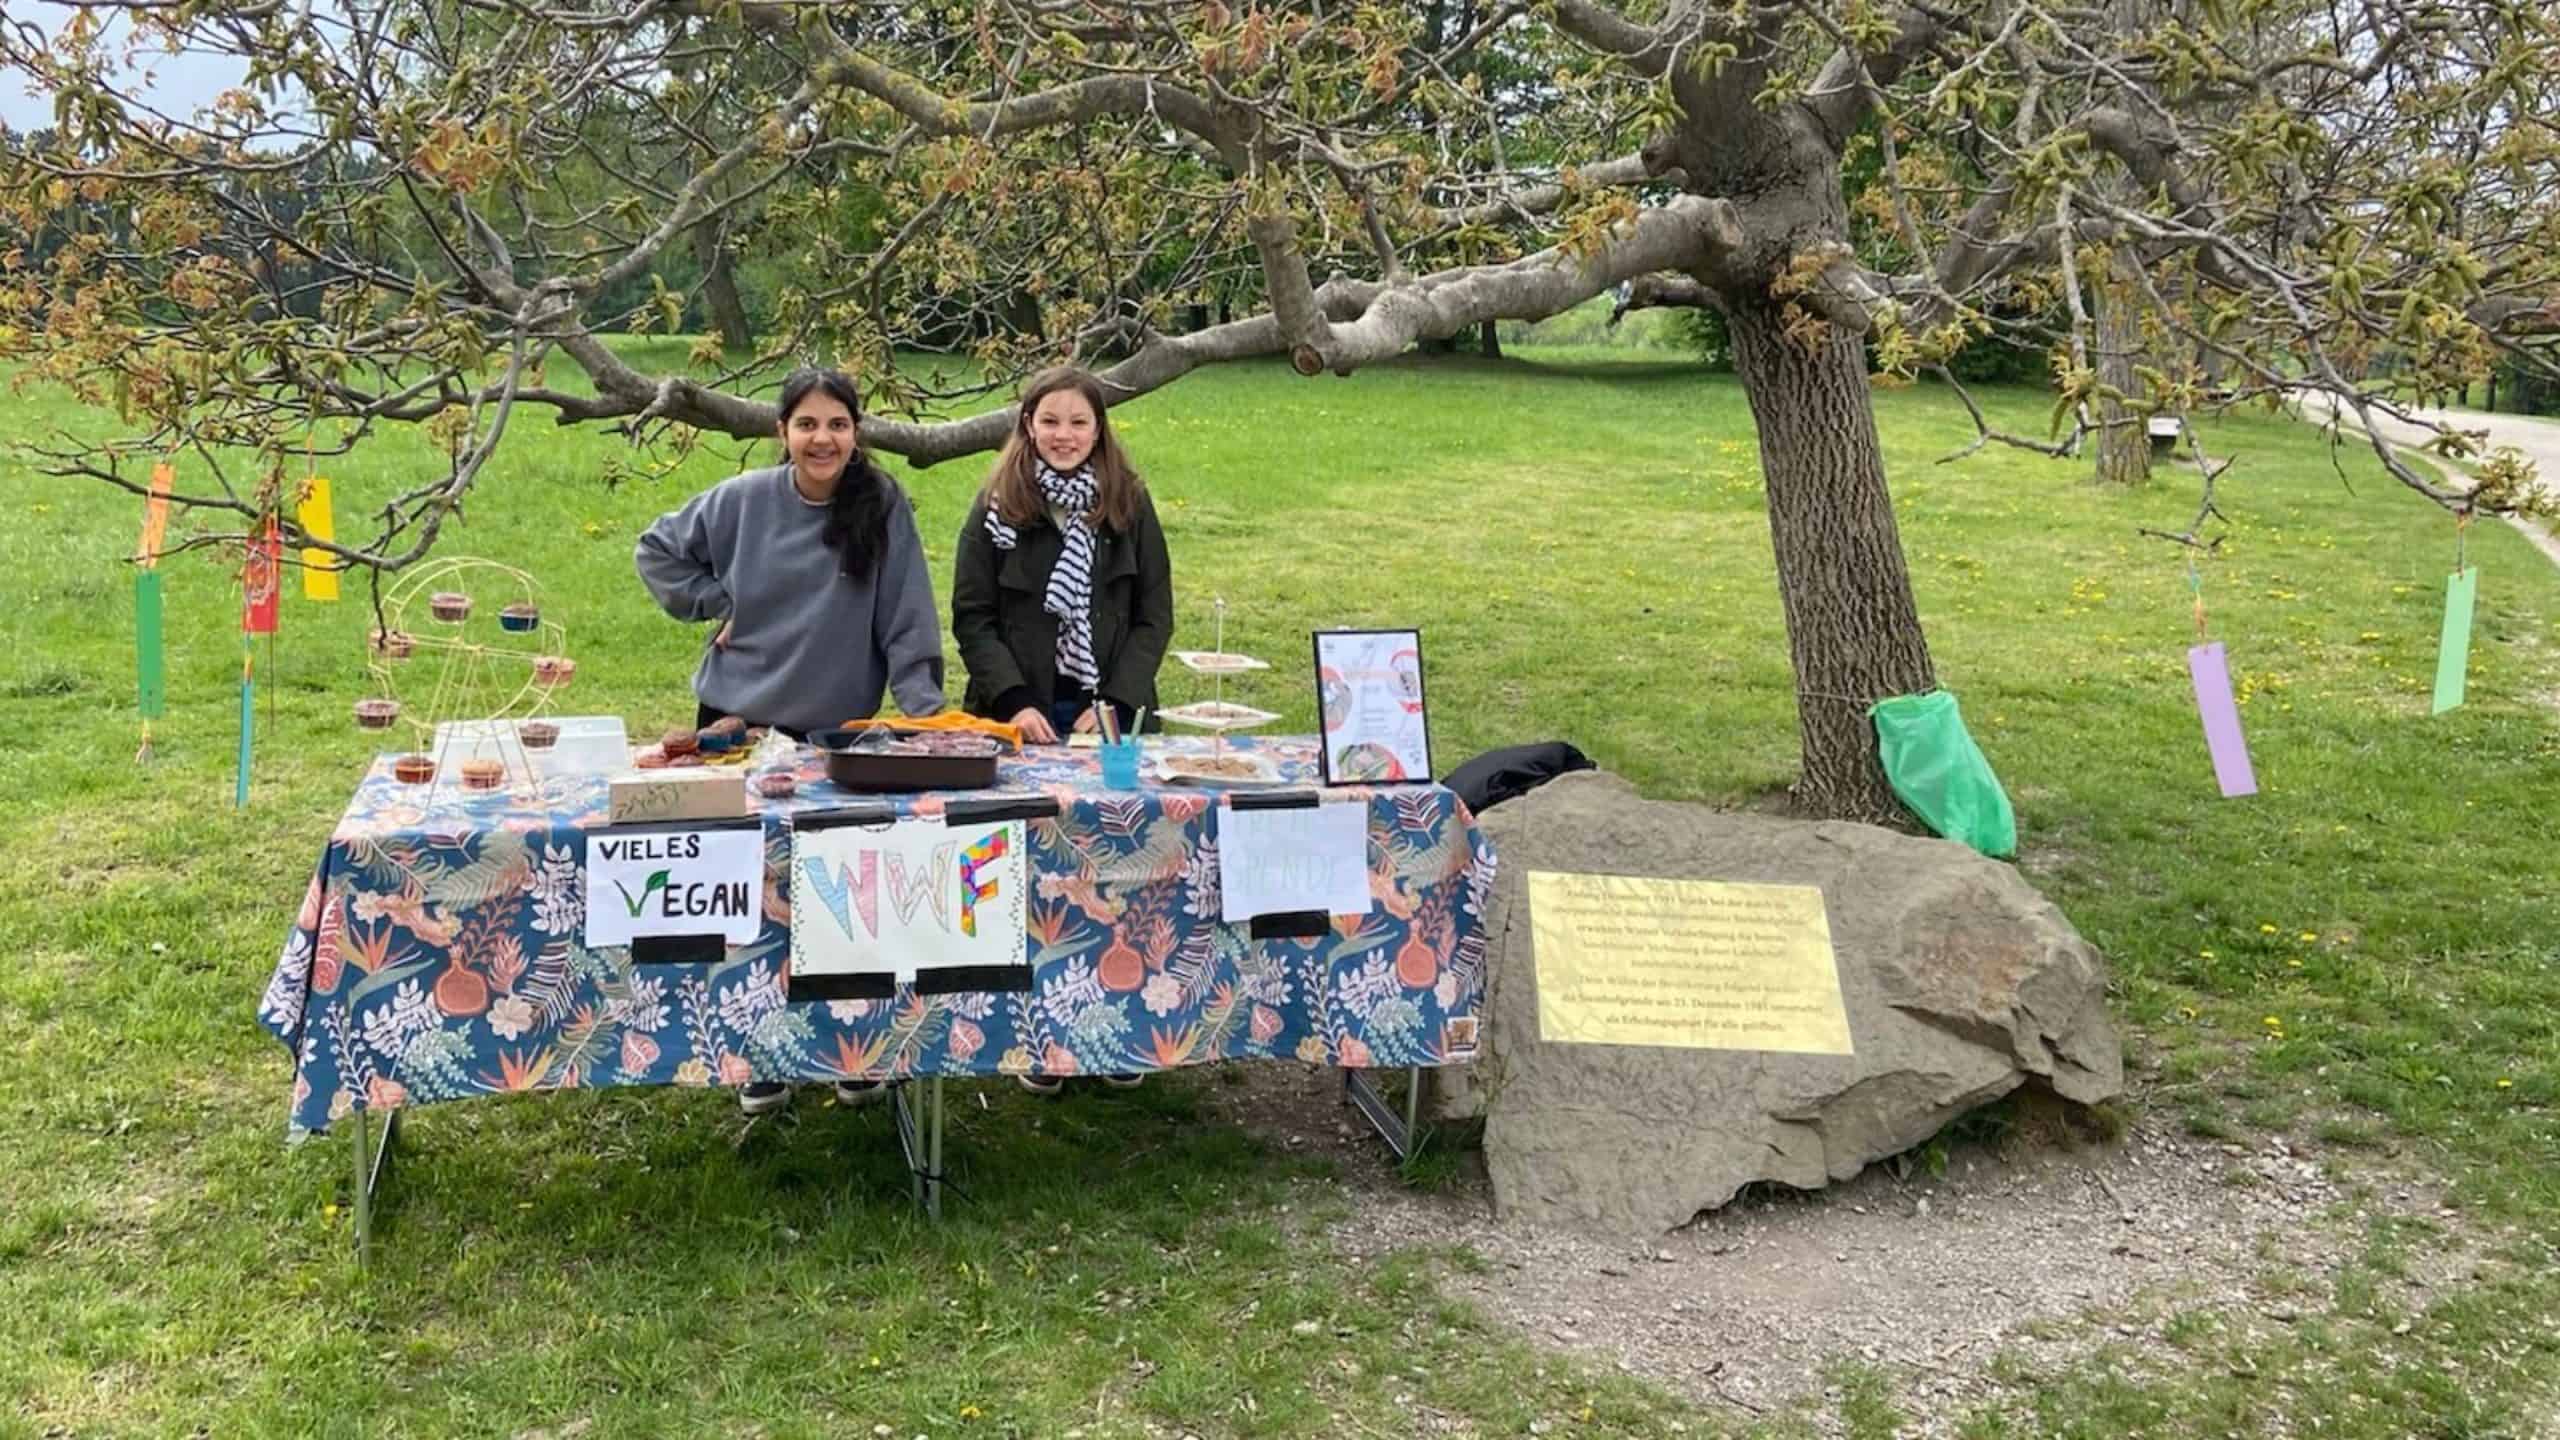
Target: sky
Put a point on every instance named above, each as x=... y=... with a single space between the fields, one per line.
x=182 y=83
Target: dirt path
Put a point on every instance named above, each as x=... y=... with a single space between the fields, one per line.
x=2539 y=440
x=2041 y=1256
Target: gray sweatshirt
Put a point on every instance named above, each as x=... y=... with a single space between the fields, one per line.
x=808 y=648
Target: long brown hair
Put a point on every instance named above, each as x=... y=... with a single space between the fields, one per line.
x=1013 y=489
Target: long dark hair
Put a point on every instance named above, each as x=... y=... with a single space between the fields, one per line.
x=1012 y=490
x=857 y=525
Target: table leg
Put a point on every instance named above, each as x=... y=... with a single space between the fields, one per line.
x=1403 y=1133
x=908 y=1149
x=920 y=1142
x=933 y=1161
x=371 y=1162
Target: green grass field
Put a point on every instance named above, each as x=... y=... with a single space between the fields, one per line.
x=2364 y=956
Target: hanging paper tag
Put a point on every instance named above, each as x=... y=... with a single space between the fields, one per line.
x=248 y=690
x=2211 y=672
x=151 y=677
x=319 y=567
x=155 y=516
x=2453 y=652
x=258 y=584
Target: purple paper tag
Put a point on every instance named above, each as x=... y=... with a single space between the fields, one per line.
x=2212 y=676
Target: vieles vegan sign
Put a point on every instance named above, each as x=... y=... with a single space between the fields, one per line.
x=674 y=882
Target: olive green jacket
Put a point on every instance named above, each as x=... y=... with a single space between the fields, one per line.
x=1009 y=641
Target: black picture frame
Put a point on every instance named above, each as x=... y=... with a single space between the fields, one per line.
x=1422 y=700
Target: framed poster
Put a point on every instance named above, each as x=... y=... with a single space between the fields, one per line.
x=1369 y=701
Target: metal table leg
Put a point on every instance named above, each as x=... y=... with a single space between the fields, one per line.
x=1402 y=1133
x=371 y=1162
x=920 y=1141
x=933 y=1161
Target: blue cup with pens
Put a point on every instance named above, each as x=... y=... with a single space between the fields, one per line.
x=1119 y=749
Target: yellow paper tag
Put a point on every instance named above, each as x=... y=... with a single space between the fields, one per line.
x=319 y=567
x=1694 y=964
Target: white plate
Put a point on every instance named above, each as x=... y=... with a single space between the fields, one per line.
x=1264 y=771
x=1218 y=662
x=1214 y=715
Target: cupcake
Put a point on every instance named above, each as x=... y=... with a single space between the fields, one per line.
x=413 y=769
x=715 y=741
x=553 y=670
x=538 y=734
x=394 y=644
x=779 y=785
x=482 y=773
x=679 y=742
x=450 y=606
x=648 y=757
x=519 y=618
x=377 y=714
x=729 y=725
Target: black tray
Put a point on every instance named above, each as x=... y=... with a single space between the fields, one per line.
x=876 y=773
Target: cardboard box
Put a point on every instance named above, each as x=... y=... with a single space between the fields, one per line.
x=690 y=793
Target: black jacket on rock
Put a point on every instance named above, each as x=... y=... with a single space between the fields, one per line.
x=1009 y=640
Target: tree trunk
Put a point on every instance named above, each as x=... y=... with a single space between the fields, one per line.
x=1489 y=341
x=720 y=289
x=1853 y=629
x=2124 y=441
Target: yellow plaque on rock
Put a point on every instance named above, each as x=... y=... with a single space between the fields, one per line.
x=1696 y=964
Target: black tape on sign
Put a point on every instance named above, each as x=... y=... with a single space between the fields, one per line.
x=979 y=812
x=679 y=949
x=1290 y=925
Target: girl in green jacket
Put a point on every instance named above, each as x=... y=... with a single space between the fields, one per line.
x=1061 y=594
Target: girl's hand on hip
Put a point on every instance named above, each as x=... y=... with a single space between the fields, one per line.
x=721 y=640
x=1035 y=726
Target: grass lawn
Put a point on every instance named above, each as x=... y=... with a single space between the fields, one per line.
x=2365 y=956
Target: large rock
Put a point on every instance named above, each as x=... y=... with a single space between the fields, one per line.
x=1961 y=984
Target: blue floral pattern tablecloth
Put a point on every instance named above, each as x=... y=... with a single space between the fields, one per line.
x=438 y=952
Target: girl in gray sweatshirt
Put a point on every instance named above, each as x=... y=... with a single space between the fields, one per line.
x=815 y=573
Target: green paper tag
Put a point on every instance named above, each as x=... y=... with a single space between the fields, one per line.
x=240 y=788
x=151 y=677
x=2453 y=654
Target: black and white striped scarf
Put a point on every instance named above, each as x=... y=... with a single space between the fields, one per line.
x=1070 y=594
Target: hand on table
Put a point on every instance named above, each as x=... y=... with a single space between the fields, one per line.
x=1086 y=724
x=1035 y=727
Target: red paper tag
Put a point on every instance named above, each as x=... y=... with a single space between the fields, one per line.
x=258 y=583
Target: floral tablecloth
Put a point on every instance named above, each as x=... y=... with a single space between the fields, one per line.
x=438 y=954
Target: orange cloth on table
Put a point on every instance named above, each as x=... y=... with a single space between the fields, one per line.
x=947 y=720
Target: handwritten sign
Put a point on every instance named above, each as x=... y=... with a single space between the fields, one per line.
x=1686 y=963
x=915 y=895
x=674 y=882
x=1311 y=857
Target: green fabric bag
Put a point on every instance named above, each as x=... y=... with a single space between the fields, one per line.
x=1940 y=773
